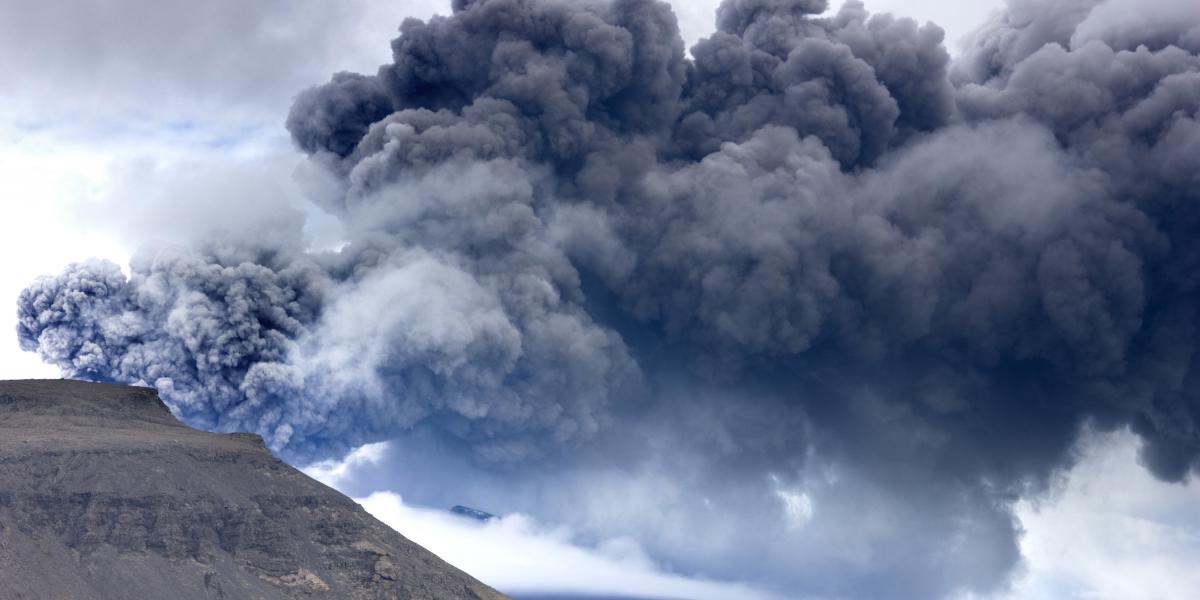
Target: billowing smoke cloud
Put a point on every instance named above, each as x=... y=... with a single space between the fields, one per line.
x=822 y=297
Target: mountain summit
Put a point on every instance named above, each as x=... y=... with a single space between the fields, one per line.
x=104 y=495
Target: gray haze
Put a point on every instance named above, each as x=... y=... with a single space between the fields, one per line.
x=811 y=309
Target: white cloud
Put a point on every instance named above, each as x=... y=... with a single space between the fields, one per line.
x=519 y=555
x=1111 y=532
x=334 y=473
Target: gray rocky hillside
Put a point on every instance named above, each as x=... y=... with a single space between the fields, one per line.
x=104 y=495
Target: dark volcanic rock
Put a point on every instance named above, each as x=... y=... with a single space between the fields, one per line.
x=105 y=496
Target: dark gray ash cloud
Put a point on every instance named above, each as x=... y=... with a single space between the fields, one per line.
x=817 y=291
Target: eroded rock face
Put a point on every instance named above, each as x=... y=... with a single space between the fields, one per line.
x=104 y=495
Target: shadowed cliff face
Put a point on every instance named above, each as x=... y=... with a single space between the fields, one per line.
x=104 y=495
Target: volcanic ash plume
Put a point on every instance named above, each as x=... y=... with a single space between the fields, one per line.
x=836 y=299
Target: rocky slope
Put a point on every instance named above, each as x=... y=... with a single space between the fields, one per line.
x=104 y=495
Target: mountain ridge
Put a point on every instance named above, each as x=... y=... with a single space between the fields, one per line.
x=105 y=495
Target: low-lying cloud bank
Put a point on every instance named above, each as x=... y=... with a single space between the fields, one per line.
x=1107 y=531
x=518 y=555
x=523 y=557
x=814 y=290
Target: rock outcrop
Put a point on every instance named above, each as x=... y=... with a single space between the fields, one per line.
x=104 y=495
